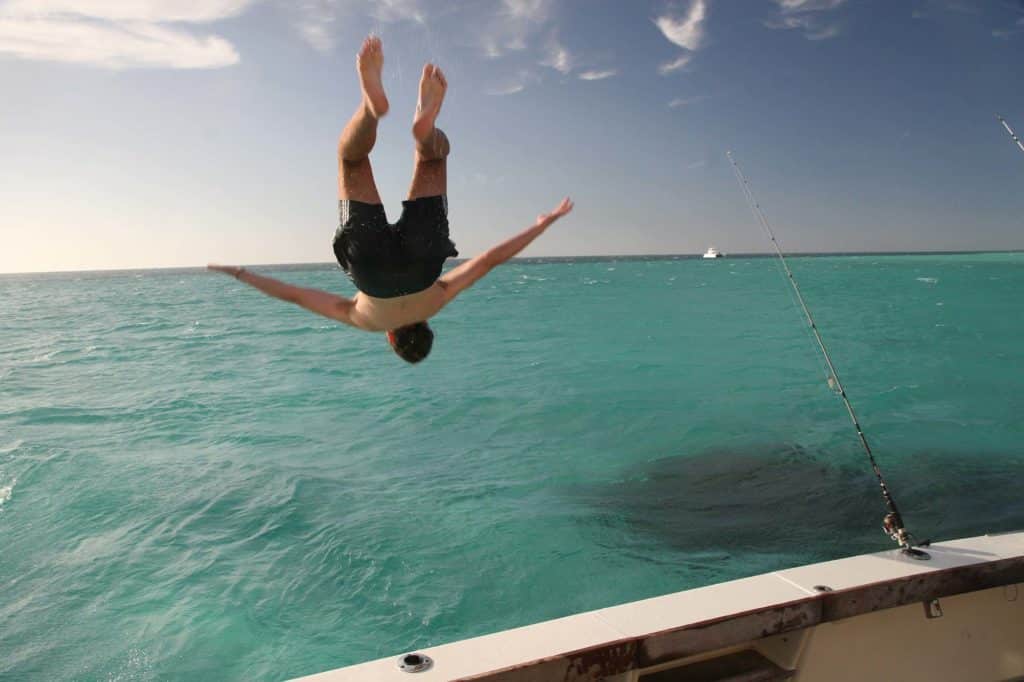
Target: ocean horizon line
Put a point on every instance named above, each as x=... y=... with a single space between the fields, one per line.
x=535 y=259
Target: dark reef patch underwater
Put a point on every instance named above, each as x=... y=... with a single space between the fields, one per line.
x=771 y=498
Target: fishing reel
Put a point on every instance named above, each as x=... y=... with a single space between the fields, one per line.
x=893 y=527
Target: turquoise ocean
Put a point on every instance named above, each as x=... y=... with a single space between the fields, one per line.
x=200 y=483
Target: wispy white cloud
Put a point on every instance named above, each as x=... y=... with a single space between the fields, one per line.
x=531 y=10
x=808 y=5
x=696 y=164
x=598 y=75
x=558 y=58
x=510 y=89
x=1016 y=29
x=678 y=63
x=812 y=27
x=822 y=33
x=513 y=83
x=686 y=31
x=683 y=101
x=522 y=28
x=492 y=50
x=807 y=16
x=398 y=10
x=118 y=35
x=513 y=26
x=318 y=20
x=148 y=11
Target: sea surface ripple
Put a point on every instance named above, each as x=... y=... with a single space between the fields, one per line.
x=199 y=483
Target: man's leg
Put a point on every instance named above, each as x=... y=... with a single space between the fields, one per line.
x=430 y=177
x=355 y=176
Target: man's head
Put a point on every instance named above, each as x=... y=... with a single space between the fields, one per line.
x=412 y=342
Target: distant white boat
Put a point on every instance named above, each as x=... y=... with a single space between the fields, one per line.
x=712 y=252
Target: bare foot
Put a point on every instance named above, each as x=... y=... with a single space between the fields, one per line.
x=432 y=88
x=370 y=63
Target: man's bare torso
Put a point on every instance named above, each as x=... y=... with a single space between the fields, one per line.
x=381 y=314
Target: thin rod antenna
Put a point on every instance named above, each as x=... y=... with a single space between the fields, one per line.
x=1013 y=135
x=893 y=523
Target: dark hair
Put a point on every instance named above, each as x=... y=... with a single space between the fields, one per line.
x=412 y=342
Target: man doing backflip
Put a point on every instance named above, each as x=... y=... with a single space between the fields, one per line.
x=396 y=267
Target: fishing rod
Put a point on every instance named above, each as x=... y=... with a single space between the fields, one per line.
x=892 y=524
x=1013 y=135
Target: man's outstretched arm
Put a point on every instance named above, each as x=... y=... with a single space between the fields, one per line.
x=320 y=302
x=466 y=275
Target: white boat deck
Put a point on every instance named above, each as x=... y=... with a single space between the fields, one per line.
x=696 y=620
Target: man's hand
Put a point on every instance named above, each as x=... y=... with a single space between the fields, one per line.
x=460 y=278
x=562 y=209
x=232 y=270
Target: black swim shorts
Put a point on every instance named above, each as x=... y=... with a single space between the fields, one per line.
x=385 y=260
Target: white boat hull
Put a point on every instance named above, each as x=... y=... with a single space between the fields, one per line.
x=958 y=617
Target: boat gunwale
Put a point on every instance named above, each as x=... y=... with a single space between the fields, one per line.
x=623 y=655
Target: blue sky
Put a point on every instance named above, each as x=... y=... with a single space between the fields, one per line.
x=176 y=132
